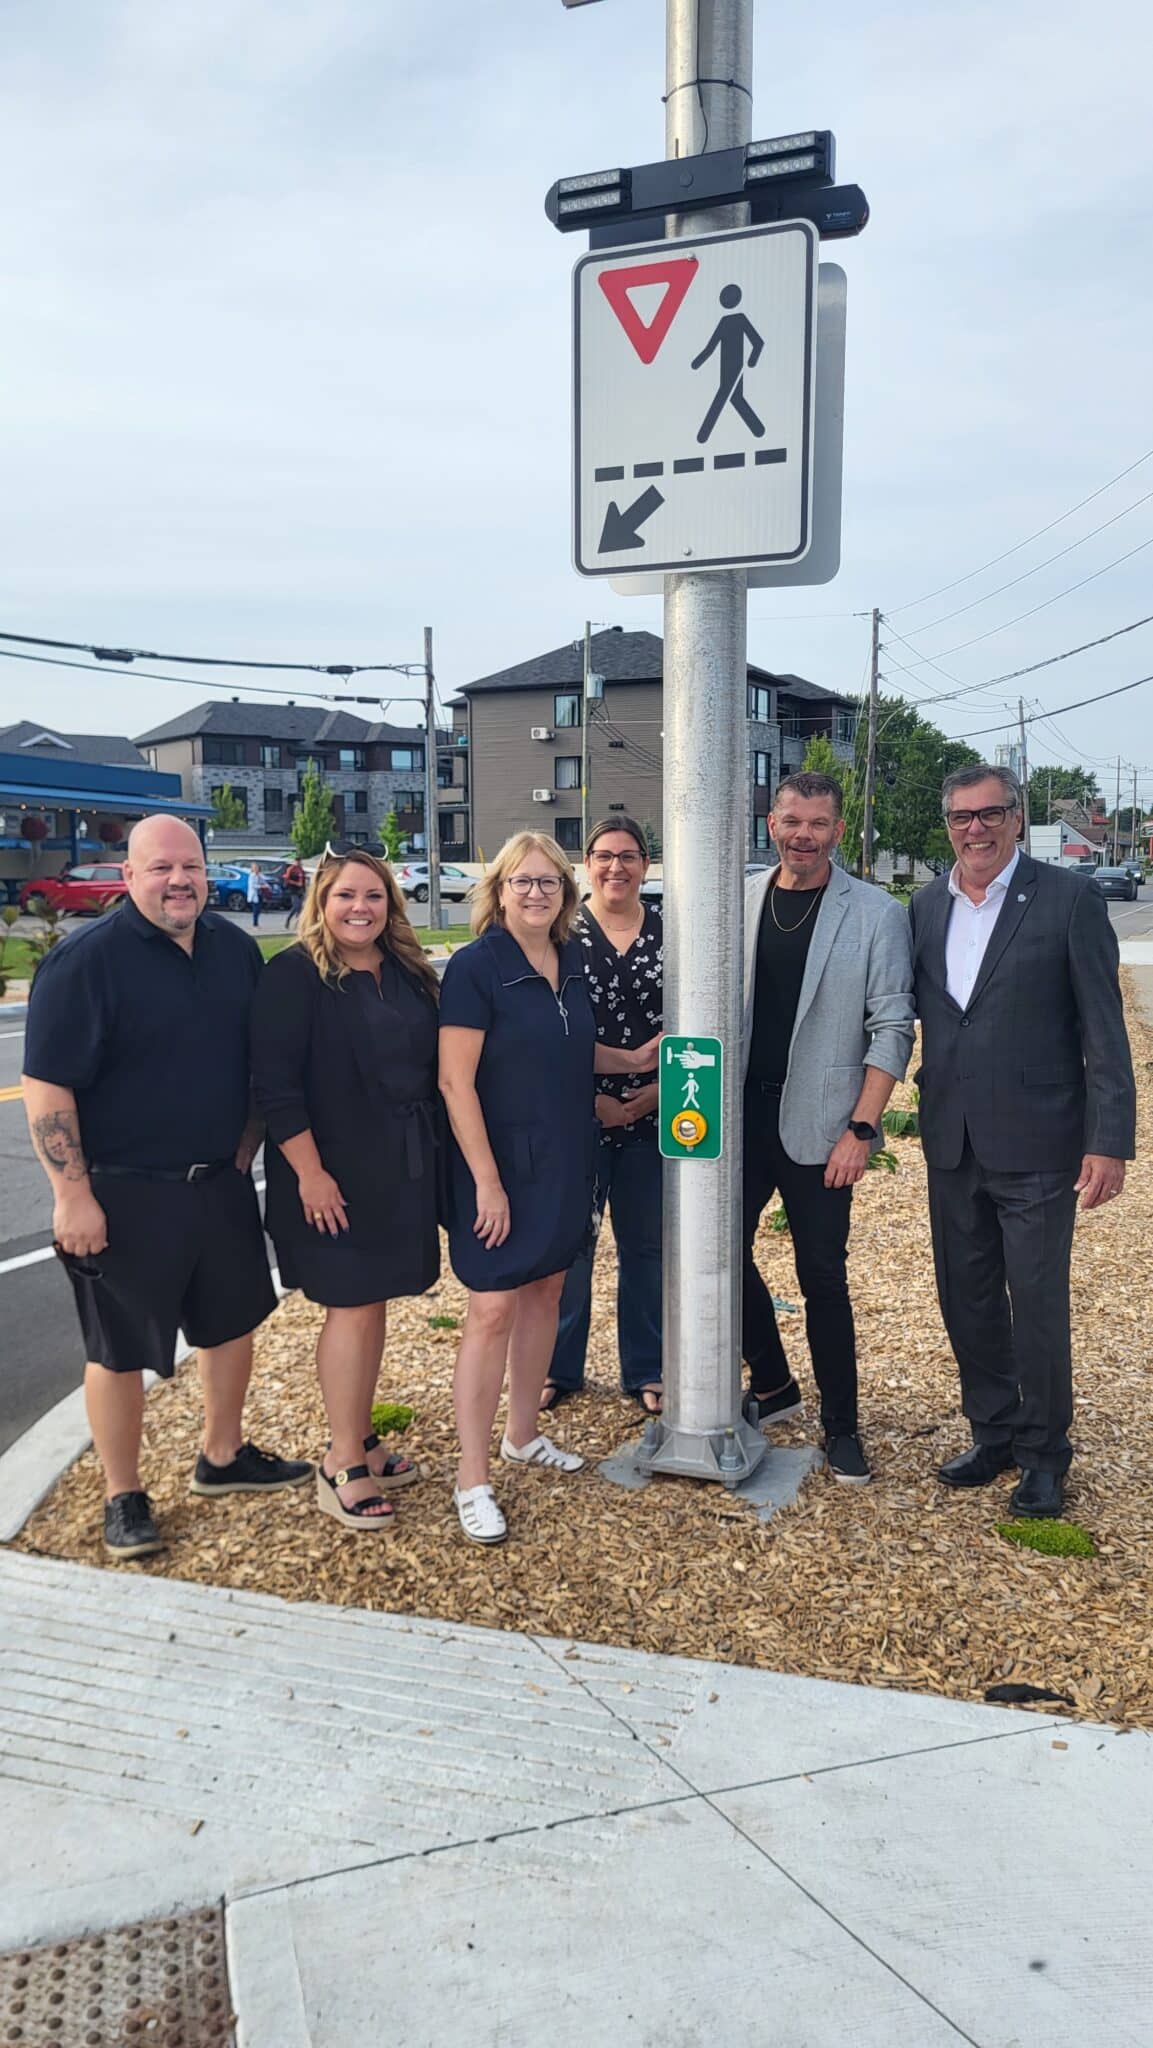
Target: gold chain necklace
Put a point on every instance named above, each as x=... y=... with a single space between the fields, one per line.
x=817 y=895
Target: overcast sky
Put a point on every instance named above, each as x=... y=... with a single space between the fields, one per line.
x=285 y=340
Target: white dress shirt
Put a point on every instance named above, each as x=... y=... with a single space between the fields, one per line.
x=970 y=929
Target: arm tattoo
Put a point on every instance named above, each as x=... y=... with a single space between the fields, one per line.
x=57 y=1140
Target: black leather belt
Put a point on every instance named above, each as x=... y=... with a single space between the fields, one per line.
x=204 y=1169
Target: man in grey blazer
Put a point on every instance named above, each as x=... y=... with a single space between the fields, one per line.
x=828 y=1031
x=1027 y=1101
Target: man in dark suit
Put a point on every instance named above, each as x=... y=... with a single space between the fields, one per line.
x=1027 y=1101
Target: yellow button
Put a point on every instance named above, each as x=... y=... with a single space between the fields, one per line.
x=689 y=1127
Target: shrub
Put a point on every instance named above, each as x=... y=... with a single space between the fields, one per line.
x=390 y=1417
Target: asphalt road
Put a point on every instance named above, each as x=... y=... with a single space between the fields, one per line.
x=41 y=1358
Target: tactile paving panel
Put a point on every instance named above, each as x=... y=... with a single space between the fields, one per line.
x=160 y=1984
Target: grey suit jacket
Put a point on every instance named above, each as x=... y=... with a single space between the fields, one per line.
x=1036 y=1071
x=855 y=1009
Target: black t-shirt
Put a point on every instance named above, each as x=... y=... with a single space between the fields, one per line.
x=153 y=1041
x=781 y=957
x=625 y=990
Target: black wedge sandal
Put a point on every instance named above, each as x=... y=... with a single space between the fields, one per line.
x=366 y=1515
x=391 y=1477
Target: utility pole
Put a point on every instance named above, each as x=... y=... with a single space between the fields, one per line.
x=1133 y=821
x=586 y=713
x=1026 y=841
x=431 y=813
x=1049 y=805
x=868 y=869
x=708 y=106
x=1117 y=812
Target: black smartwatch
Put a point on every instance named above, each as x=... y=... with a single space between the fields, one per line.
x=864 y=1131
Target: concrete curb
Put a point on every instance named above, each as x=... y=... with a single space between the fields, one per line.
x=15 y=1013
x=31 y=1466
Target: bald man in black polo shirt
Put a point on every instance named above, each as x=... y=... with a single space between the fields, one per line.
x=136 y=1089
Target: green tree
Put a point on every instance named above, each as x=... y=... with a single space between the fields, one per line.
x=391 y=837
x=820 y=758
x=313 y=819
x=1049 y=785
x=229 y=813
x=652 y=838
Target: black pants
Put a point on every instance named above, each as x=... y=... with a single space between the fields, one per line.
x=1001 y=1246
x=819 y=1222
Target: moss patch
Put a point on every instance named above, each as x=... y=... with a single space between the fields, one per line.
x=1052 y=1539
x=390 y=1416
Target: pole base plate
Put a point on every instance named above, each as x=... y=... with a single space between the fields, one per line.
x=726 y=1455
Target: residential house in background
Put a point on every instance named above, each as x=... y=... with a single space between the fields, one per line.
x=522 y=734
x=261 y=752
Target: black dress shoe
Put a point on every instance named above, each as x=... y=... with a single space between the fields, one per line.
x=978 y=1466
x=1038 y=1496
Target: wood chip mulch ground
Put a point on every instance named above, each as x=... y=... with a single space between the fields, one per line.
x=899 y=1584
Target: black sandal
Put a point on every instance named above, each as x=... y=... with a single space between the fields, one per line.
x=369 y=1514
x=651 y=1399
x=390 y=1474
x=559 y=1396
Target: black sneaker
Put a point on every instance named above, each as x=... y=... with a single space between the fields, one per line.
x=847 y=1461
x=778 y=1407
x=251 y=1471
x=129 y=1530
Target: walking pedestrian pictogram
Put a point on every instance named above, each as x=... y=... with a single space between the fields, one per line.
x=694 y=385
x=690 y=1089
x=729 y=338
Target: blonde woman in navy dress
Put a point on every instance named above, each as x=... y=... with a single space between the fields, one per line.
x=517 y=1057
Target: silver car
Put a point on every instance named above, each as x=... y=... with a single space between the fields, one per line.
x=413 y=878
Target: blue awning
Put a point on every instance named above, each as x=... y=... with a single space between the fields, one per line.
x=141 y=803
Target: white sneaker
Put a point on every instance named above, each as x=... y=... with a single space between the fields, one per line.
x=541 y=1451
x=480 y=1517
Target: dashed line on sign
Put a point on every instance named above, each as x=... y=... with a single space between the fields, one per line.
x=688 y=465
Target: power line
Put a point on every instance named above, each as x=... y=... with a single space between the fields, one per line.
x=1043 y=606
x=941 y=589
x=129 y=654
x=152 y=676
x=1061 y=709
x=1037 y=567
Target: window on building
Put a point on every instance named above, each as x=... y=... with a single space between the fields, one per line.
x=236 y=796
x=846 y=727
x=567 y=708
x=568 y=771
x=223 y=753
x=273 y=803
x=408 y=759
x=761 y=834
x=407 y=800
x=350 y=757
x=271 y=755
x=762 y=769
x=357 y=800
x=759 y=703
x=791 y=725
x=568 y=834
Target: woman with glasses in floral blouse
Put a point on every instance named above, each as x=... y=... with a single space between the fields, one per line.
x=517 y=1056
x=621 y=940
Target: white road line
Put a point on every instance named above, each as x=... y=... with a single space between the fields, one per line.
x=46 y=1251
x=12 y=1034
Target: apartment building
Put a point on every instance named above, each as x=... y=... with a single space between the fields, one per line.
x=527 y=736
x=261 y=753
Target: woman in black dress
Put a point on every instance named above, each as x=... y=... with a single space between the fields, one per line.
x=344 y=1049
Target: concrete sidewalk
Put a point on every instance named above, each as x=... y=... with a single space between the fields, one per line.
x=430 y=1833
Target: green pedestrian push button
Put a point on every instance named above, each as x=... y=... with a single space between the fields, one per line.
x=689 y=1112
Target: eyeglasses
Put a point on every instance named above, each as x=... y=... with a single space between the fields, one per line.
x=993 y=814
x=523 y=885
x=622 y=860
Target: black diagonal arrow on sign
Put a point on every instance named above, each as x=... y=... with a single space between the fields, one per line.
x=620 y=528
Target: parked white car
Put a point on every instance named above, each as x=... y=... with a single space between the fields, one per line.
x=413 y=878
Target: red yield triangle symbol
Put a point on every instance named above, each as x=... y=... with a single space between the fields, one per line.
x=617 y=284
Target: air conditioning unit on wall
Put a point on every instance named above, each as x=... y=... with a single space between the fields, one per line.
x=542 y=796
x=541 y=732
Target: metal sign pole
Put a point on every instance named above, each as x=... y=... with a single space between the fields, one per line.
x=701 y=1433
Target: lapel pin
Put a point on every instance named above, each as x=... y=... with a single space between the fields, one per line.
x=1022 y=899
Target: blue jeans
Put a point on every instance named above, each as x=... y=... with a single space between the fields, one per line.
x=629 y=1184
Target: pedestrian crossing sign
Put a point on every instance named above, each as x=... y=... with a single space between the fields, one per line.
x=690 y=1091
x=694 y=368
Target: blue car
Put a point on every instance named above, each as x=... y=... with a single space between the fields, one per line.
x=228 y=889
